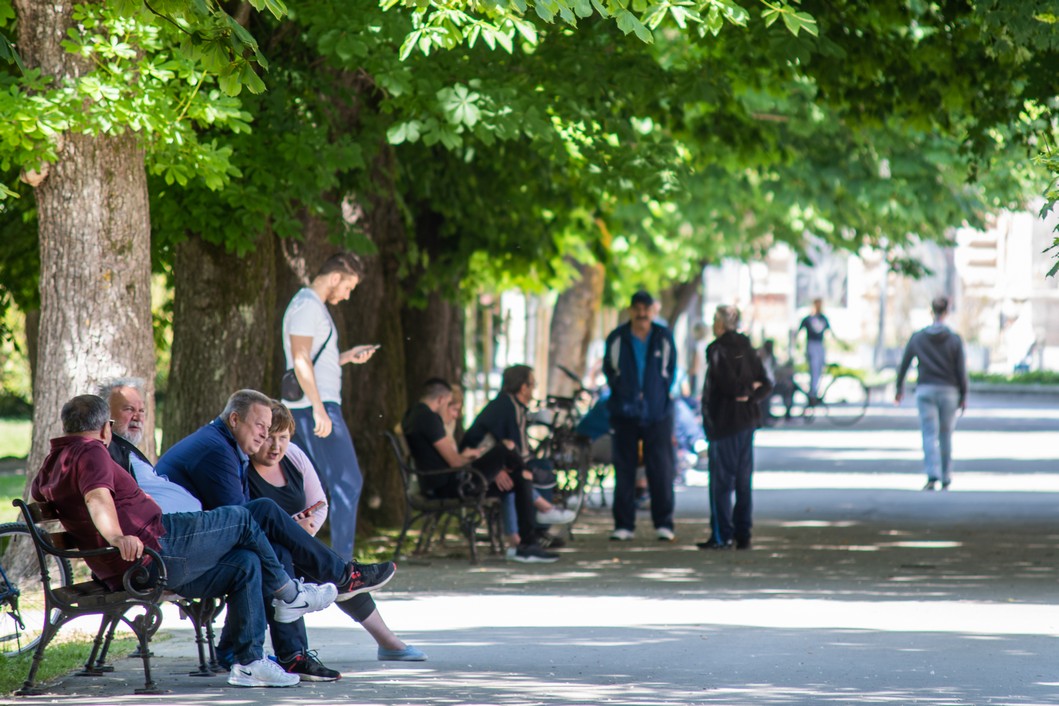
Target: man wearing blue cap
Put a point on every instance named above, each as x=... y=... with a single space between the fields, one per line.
x=639 y=361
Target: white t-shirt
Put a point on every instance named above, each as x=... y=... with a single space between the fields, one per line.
x=307 y=315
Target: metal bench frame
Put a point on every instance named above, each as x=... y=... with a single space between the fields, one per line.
x=470 y=509
x=137 y=605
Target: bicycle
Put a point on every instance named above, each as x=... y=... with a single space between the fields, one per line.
x=842 y=399
x=552 y=436
x=22 y=603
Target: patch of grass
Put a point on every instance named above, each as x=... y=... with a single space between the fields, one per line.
x=16 y=435
x=61 y=657
x=1034 y=377
x=11 y=485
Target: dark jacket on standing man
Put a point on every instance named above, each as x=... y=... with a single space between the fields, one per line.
x=628 y=400
x=733 y=366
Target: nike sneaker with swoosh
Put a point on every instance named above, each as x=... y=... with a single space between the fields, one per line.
x=311 y=598
x=261 y=672
x=366 y=577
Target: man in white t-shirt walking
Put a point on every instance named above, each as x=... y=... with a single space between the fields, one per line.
x=310 y=346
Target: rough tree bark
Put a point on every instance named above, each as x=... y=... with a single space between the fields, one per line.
x=433 y=332
x=374 y=394
x=571 y=329
x=677 y=297
x=434 y=343
x=94 y=228
x=223 y=333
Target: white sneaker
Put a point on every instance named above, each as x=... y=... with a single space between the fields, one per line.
x=261 y=672
x=311 y=598
x=556 y=516
x=622 y=535
x=665 y=534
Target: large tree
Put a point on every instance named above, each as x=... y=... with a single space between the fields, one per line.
x=94 y=234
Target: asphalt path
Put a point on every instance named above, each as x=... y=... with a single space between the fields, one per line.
x=860 y=588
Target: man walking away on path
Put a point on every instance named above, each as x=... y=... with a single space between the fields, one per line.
x=940 y=390
x=736 y=383
x=639 y=360
x=310 y=347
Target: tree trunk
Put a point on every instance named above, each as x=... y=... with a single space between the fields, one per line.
x=434 y=334
x=32 y=343
x=223 y=331
x=434 y=343
x=374 y=394
x=94 y=229
x=676 y=298
x=571 y=329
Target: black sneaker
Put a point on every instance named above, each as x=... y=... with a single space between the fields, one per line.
x=308 y=667
x=742 y=543
x=533 y=554
x=709 y=545
x=365 y=577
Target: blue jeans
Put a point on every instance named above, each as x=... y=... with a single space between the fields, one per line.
x=937 y=419
x=336 y=461
x=221 y=553
x=302 y=555
x=817 y=355
x=731 y=469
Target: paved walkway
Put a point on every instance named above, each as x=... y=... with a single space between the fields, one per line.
x=860 y=589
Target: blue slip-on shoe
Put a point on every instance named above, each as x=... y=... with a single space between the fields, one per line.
x=408 y=654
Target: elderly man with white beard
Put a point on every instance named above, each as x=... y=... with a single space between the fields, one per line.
x=125 y=396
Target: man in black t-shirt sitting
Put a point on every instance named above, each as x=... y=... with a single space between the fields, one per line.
x=432 y=449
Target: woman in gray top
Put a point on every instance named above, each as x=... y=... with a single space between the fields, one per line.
x=940 y=390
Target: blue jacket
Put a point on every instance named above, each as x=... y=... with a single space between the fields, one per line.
x=628 y=401
x=210 y=465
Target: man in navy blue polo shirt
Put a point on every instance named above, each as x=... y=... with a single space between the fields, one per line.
x=212 y=465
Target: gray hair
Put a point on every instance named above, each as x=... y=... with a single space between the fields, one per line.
x=108 y=387
x=85 y=413
x=728 y=316
x=240 y=402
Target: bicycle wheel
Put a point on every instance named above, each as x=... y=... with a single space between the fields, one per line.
x=845 y=399
x=21 y=590
x=791 y=404
x=539 y=438
x=571 y=457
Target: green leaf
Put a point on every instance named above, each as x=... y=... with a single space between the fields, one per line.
x=628 y=23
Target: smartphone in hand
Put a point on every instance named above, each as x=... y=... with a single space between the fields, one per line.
x=307 y=512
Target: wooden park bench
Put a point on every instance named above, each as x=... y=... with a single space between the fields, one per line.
x=137 y=604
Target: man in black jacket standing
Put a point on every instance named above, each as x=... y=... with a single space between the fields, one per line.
x=736 y=382
x=639 y=361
